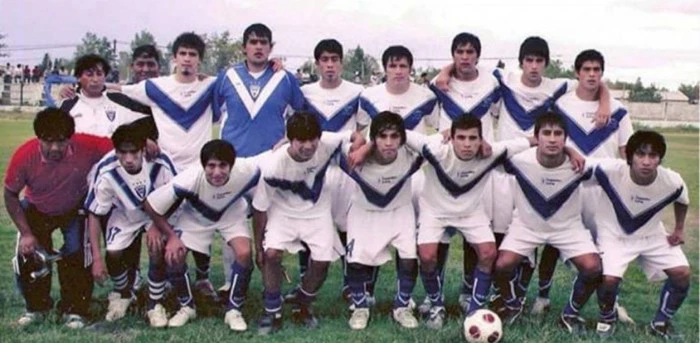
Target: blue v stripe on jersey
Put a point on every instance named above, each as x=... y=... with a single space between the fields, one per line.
x=452 y=187
x=299 y=187
x=337 y=119
x=629 y=222
x=249 y=80
x=454 y=110
x=368 y=107
x=125 y=187
x=545 y=207
x=588 y=142
x=414 y=117
x=184 y=118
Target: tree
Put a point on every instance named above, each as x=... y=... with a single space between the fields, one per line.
x=91 y=44
x=142 y=38
x=3 y=46
x=222 y=51
x=46 y=62
x=556 y=69
x=692 y=92
x=431 y=72
x=639 y=93
x=357 y=63
x=165 y=61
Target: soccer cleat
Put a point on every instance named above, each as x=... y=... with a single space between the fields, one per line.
x=464 y=300
x=573 y=324
x=234 y=319
x=205 y=289
x=436 y=318
x=540 y=306
x=113 y=296
x=304 y=316
x=157 y=318
x=664 y=330
x=74 y=321
x=605 y=329
x=30 y=318
x=496 y=303
x=184 y=315
x=622 y=315
x=117 y=308
x=510 y=315
x=224 y=290
x=359 y=319
x=404 y=316
x=424 y=307
x=270 y=323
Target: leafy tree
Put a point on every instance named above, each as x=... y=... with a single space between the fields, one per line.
x=556 y=69
x=360 y=64
x=222 y=51
x=3 y=46
x=46 y=63
x=91 y=44
x=142 y=38
x=691 y=91
x=639 y=93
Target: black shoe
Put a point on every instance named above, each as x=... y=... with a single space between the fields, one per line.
x=605 y=329
x=664 y=330
x=304 y=316
x=509 y=315
x=496 y=304
x=270 y=323
x=573 y=324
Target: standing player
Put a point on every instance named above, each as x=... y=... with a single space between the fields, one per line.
x=145 y=63
x=291 y=205
x=629 y=228
x=52 y=170
x=548 y=210
x=213 y=201
x=382 y=215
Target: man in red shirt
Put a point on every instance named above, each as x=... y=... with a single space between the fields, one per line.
x=52 y=170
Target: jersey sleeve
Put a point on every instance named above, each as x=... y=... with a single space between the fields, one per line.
x=297 y=99
x=162 y=198
x=514 y=146
x=571 y=84
x=101 y=201
x=363 y=117
x=335 y=138
x=682 y=199
x=138 y=92
x=416 y=141
x=263 y=193
x=218 y=101
x=433 y=119
x=16 y=174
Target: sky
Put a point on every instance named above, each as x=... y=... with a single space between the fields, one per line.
x=658 y=41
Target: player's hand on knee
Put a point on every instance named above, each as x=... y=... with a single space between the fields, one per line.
x=99 y=271
x=174 y=250
x=27 y=244
x=66 y=92
x=154 y=240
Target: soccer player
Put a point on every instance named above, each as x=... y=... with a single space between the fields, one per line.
x=52 y=170
x=628 y=218
x=254 y=99
x=381 y=216
x=292 y=205
x=122 y=183
x=548 y=210
x=212 y=197
x=145 y=63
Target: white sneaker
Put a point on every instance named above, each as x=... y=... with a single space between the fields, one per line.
x=157 y=317
x=117 y=308
x=622 y=315
x=464 y=300
x=404 y=316
x=29 y=318
x=225 y=288
x=234 y=319
x=540 y=306
x=184 y=315
x=359 y=319
x=425 y=306
x=74 y=321
x=113 y=296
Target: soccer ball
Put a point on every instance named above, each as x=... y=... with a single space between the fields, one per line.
x=483 y=326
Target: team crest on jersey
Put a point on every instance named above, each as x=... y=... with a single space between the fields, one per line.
x=254 y=90
x=111 y=114
x=140 y=190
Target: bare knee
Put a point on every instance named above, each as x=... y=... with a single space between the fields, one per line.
x=273 y=256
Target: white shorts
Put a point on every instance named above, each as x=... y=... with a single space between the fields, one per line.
x=287 y=233
x=121 y=232
x=370 y=233
x=498 y=196
x=653 y=253
x=571 y=243
x=475 y=228
x=341 y=187
x=199 y=238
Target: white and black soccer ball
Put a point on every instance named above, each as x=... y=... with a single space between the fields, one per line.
x=483 y=326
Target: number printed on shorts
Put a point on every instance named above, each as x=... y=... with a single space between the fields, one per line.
x=111 y=234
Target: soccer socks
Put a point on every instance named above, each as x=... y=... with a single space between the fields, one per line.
x=524 y=276
x=181 y=282
x=671 y=298
x=240 y=278
x=480 y=293
x=272 y=302
x=432 y=282
x=548 y=263
x=119 y=273
x=606 y=301
x=584 y=286
x=156 y=284
x=407 y=273
x=359 y=276
x=201 y=262
x=304 y=260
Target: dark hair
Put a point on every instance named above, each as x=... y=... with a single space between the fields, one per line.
x=465 y=38
x=303 y=126
x=260 y=30
x=644 y=137
x=387 y=120
x=128 y=134
x=53 y=123
x=397 y=52
x=218 y=149
x=589 y=55
x=330 y=46
x=87 y=62
x=550 y=118
x=189 y=40
x=535 y=46
x=464 y=122
x=146 y=51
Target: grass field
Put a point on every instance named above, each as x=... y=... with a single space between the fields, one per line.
x=640 y=297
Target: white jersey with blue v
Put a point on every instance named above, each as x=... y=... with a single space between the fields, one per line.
x=417 y=106
x=336 y=109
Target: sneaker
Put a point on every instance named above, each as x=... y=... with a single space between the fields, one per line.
x=184 y=315
x=436 y=318
x=664 y=330
x=205 y=289
x=30 y=317
x=117 y=308
x=157 y=318
x=605 y=329
x=74 y=321
x=573 y=324
x=359 y=319
x=464 y=300
x=540 y=306
x=424 y=308
x=270 y=323
x=304 y=316
x=404 y=316
x=622 y=315
x=234 y=319
x=113 y=296
x=224 y=290
x=509 y=315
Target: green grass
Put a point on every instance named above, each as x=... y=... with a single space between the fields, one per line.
x=640 y=297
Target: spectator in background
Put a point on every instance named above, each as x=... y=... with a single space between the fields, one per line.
x=36 y=74
x=424 y=81
x=8 y=73
x=27 y=74
x=18 y=73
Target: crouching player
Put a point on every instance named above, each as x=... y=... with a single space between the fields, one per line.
x=548 y=211
x=452 y=197
x=291 y=206
x=629 y=225
x=122 y=181
x=381 y=215
x=212 y=200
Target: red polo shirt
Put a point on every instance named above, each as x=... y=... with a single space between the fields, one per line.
x=55 y=187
